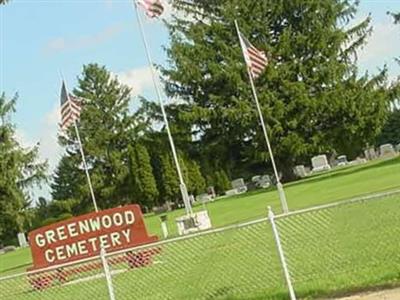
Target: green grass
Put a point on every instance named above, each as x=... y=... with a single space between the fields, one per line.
x=333 y=251
x=15 y=262
x=345 y=183
x=352 y=247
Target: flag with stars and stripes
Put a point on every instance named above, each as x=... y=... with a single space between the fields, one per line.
x=256 y=59
x=153 y=8
x=70 y=108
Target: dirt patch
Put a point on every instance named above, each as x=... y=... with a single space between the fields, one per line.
x=393 y=294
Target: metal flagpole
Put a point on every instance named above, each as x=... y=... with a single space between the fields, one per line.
x=279 y=185
x=103 y=258
x=86 y=167
x=184 y=192
x=82 y=154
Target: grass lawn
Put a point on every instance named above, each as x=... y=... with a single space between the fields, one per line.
x=333 y=251
x=340 y=184
x=363 y=237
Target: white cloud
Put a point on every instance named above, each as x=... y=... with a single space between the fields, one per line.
x=382 y=45
x=49 y=150
x=60 y=44
x=138 y=79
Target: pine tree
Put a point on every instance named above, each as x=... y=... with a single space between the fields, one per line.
x=195 y=180
x=67 y=179
x=391 y=133
x=19 y=170
x=221 y=182
x=144 y=188
x=312 y=97
x=107 y=129
x=170 y=181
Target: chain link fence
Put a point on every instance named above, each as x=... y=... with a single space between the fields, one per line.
x=328 y=250
x=84 y=280
x=237 y=262
x=345 y=247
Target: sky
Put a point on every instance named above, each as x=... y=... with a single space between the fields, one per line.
x=42 y=39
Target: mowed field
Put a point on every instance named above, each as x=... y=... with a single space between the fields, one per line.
x=334 y=251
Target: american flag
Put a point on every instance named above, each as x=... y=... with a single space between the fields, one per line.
x=70 y=108
x=153 y=8
x=256 y=60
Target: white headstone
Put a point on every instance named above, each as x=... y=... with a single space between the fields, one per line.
x=203 y=197
x=370 y=154
x=387 y=150
x=300 y=171
x=261 y=181
x=320 y=163
x=193 y=223
x=341 y=160
x=239 y=185
x=22 y=240
x=231 y=192
x=398 y=148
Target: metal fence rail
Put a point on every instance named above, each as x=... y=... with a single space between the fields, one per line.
x=72 y=281
x=234 y=262
x=343 y=247
x=328 y=249
x=238 y=262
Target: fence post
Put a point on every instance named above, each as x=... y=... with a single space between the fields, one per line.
x=275 y=231
x=107 y=273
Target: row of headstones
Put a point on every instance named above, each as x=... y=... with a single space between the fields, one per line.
x=320 y=163
x=239 y=186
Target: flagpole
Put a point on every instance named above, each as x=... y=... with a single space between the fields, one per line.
x=282 y=196
x=85 y=166
x=182 y=185
x=82 y=154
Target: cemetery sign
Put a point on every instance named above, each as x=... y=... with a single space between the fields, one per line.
x=82 y=237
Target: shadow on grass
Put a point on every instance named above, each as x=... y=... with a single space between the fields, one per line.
x=5 y=271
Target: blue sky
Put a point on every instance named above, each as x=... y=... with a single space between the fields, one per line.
x=39 y=39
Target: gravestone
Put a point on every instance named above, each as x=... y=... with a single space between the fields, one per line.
x=231 y=192
x=22 y=240
x=261 y=181
x=300 y=171
x=193 y=223
x=239 y=185
x=386 y=150
x=203 y=198
x=357 y=161
x=320 y=163
x=211 y=192
x=341 y=161
x=164 y=227
x=370 y=154
x=398 y=148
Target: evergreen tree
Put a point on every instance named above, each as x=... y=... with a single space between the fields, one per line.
x=312 y=97
x=170 y=181
x=107 y=129
x=221 y=182
x=67 y=178
x=19 y=170
x=195 y=180
x=391 y=131
x=144 y=188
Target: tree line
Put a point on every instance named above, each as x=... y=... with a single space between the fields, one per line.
x=313 y=97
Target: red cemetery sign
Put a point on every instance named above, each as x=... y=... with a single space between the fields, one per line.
x=83 y=236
